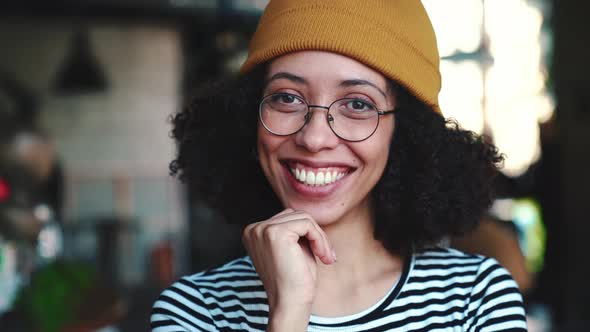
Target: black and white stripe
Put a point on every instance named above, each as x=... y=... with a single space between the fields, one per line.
x=440 y=290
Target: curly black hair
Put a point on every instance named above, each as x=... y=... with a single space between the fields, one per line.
x=437 y=181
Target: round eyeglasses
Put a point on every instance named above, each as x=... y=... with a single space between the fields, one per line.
x=351 y=119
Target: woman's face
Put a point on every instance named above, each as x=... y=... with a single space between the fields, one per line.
x=354 y=167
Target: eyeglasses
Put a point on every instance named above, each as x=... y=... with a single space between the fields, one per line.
x=351 y=119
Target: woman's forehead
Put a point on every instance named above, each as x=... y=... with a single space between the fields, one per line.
x=319 y=66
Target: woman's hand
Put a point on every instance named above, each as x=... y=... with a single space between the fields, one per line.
x=284 y=250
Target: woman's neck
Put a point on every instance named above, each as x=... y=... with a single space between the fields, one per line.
x=358 y=252
x=363 y=273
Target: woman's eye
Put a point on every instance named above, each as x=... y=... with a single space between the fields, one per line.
x=359 y=105
x=286 y=99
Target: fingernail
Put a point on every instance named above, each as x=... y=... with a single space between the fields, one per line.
x=334 y=255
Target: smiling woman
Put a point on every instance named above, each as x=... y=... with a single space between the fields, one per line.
x=331 y=150
x=317 y=147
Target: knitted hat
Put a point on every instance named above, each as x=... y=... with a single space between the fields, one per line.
x=395 y=37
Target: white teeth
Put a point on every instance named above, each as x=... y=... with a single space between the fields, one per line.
x=319 y=179
x=328 y=178
x=310 y=178
x=316 y=179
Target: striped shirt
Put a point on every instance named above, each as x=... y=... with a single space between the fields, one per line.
x=439 y=289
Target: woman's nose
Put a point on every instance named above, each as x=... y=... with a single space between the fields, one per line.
x=317 y=135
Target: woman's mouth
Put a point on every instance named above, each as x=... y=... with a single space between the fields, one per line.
x=314 y=179
x=318 y=176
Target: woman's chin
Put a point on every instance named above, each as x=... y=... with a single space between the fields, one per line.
x=321 y=214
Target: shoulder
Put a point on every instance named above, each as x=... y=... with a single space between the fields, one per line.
x=202 y=301
x=491 y=299
x=444 y=273
x=453 y=263
x=446 y=265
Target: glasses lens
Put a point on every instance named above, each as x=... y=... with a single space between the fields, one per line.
x=353 y=119
x=283 y=113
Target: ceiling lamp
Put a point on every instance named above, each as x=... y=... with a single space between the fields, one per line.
x=80 y=72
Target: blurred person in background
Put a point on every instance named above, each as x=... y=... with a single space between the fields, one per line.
x=331 y=148
x=39 y=290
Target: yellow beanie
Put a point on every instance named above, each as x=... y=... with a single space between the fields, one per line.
x=394 y=37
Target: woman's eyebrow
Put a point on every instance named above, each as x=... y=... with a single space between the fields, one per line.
x=288 y=76
x=356 y=82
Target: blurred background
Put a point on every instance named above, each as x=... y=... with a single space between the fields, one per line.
x=92 y=228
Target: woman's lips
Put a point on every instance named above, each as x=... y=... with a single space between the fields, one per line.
x=315 y=181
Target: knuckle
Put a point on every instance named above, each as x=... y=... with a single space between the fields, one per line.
x=311 y=223
x=252 y=231
x=271 y=232
x=307 y=217
x=248 y=228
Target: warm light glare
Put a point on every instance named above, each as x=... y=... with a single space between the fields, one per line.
x=511 y=24
x=506 y=95
x=544 y=105
x=516 y=99
x=462 y=93
x=458 y=24
x=515 y=132
x=502 y=208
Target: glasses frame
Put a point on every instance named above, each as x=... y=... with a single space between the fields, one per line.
x=329 y=117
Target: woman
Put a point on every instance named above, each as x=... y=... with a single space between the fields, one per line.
x=361 y=177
